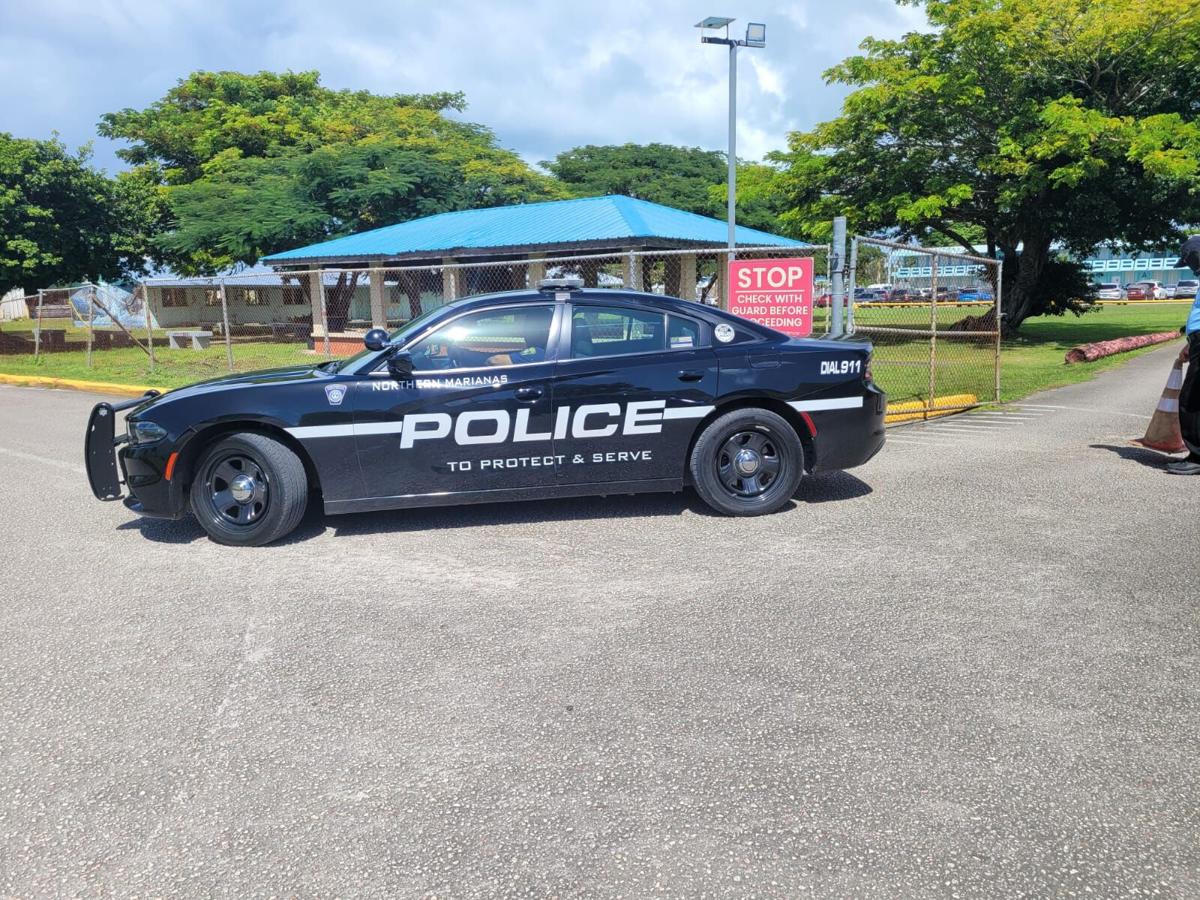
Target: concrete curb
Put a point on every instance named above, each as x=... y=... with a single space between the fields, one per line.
x=96 y=387
x=942 y=406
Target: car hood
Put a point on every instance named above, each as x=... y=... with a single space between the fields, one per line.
x=241 y=381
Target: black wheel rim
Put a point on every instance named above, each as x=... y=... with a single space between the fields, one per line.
x=748 y=463
x=237 y=488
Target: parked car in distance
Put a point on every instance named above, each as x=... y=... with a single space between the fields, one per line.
x=1186 y=289
x=1137 y=292
x=903 y=295
x=1153 y=290
x=866 y=295
x=1108 y=290
x=966 y=295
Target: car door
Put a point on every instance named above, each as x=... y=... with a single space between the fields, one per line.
x=474 y=416
x=633 y=383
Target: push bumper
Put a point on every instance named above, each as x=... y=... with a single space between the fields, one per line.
x=100 y=444
x=141 y=469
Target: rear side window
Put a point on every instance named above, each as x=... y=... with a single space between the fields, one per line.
x=615 y=331
x=682 y=334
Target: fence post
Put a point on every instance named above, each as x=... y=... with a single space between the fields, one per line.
x=852 y=290
x=225 y=327
x=933 y=278
x=37 y=332
x=999 y=323
x=837 y=286
x=149 y=324
x=91 y=320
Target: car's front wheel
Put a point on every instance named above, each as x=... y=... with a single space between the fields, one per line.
x=249 y=490
x=748 y=462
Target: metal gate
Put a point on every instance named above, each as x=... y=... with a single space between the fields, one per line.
x=933 y=314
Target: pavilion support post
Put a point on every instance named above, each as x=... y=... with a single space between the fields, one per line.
x=591 y=272
x=449 y=280
x=723 y=280
x=536 y=271
x=687 y=276
x=633 y=271
x=378 y=306
x=671 y=280
x=316 y=306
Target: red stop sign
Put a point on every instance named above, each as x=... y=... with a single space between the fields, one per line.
x=777 y=293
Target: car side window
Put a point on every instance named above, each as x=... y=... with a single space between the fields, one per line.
x=493 y=337
x=682 y=334
x=615 y=331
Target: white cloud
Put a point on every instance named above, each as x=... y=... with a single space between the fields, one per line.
x=544 y=75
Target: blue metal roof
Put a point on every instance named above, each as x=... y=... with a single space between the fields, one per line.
x=592 y=220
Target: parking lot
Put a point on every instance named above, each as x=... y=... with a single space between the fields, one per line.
x=968 y=668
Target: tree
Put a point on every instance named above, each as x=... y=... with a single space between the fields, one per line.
x=58 y=216
x=683 y=177
x=240 y=166
x=1045 y=127
x=760 y=202
x=675 y=176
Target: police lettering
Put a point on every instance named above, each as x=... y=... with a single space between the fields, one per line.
x=497 y=426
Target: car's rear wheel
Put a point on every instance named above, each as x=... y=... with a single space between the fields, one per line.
x=747 y=463
x=249 y=490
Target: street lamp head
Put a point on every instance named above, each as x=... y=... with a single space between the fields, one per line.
x=756 y=35
x=714 y=22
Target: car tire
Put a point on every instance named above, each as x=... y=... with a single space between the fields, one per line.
x=747 y=462
x=249 y=490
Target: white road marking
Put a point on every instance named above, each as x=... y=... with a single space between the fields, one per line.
x=1086 y=409
x=45 y=460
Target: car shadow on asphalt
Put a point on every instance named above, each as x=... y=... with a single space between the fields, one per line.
x=822 y=488
x=1147 y=457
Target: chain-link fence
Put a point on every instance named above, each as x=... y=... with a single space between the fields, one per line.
x=933 y=316
x=171 y=331
x=71 y=324
x=931 y=313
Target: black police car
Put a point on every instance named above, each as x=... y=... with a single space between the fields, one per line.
x=559 y=392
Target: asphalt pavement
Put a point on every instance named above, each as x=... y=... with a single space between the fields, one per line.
x=966 y=669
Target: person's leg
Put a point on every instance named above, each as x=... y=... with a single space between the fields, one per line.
x=1189 y=398
x=1189 y=411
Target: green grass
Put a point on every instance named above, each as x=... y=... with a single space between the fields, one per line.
x=1030 y=362
x=173 y=368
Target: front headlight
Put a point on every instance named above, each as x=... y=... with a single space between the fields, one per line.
x=145 y=432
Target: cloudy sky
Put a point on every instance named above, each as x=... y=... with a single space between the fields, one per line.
x=545 y=75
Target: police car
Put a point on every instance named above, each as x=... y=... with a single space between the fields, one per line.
x=559 y=392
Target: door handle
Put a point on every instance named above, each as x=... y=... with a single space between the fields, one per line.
x=530 y=393
x=690 y=374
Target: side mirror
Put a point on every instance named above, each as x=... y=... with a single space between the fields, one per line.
x=375 y=339
x=400 y=364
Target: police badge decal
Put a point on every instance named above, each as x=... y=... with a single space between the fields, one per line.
x=335 y=394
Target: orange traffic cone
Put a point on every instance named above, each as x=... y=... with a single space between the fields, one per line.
x=1163 y=433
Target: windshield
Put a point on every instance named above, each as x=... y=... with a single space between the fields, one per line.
x=399 y=336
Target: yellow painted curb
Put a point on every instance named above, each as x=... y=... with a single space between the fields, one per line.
x=96 y=387
x=942 y=406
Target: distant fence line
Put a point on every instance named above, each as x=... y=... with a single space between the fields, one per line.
x=195 y=327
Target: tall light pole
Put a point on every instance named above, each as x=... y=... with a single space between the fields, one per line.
x=756 y=36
